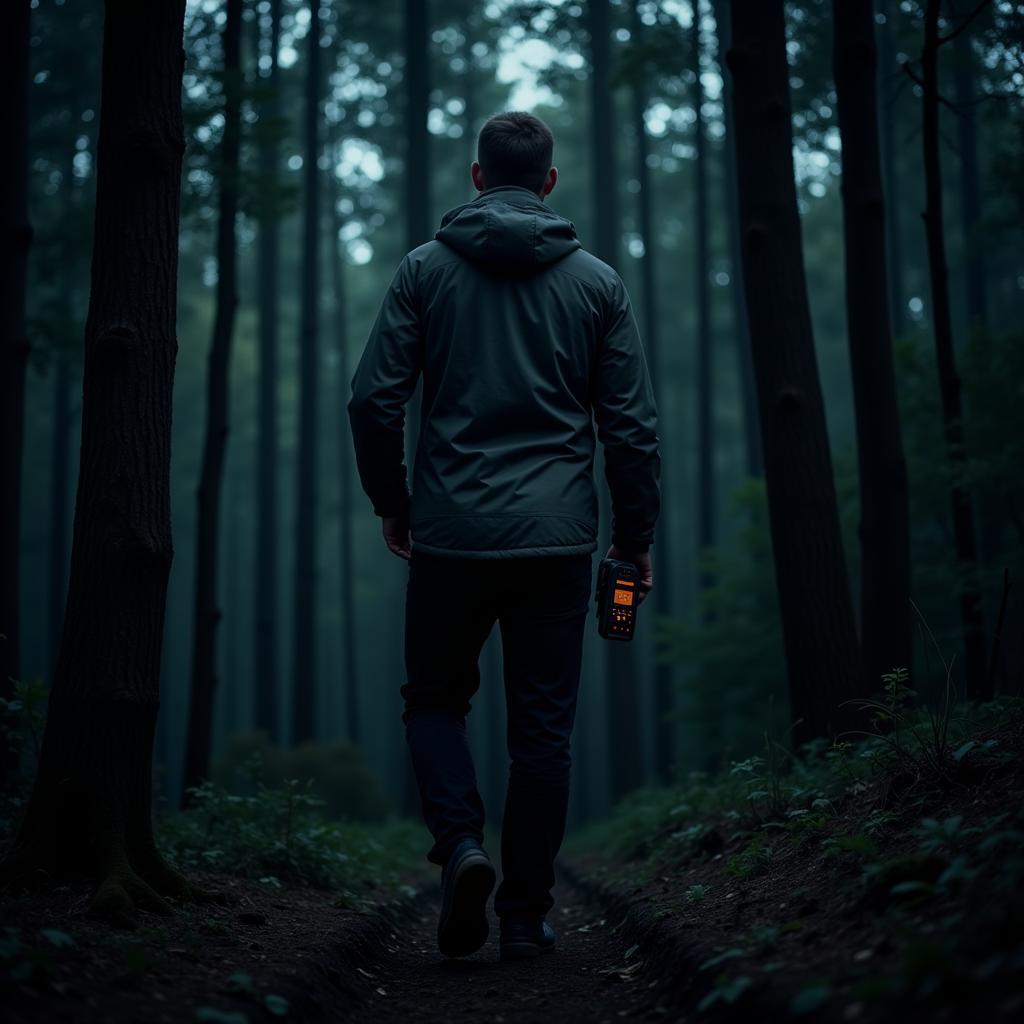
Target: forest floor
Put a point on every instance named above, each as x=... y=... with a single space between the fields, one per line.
x=860 y=883
x=295 y=954
x=834 y=891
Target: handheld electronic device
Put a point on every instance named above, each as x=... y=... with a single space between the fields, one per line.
x=617 y=592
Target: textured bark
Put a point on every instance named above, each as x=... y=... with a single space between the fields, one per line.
x=887 y=118
x=303 y=682
x=15 y=239
x=350 y=662
x=971 y=614
x=661 y=599
x=884 y=516
x=702 y=299
x=206 y=610
x=741 y=324
x=90 y=808
x=60 y=463
x=626 y=764
x=822 y=656
x=265 y=554
x=970 y=180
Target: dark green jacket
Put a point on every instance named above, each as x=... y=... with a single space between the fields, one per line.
x=524 y=341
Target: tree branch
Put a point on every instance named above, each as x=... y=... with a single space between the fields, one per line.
x=953 y=33
x=916 y=78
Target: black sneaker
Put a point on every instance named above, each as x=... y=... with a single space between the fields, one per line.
x=525 y=937
x=466 y=883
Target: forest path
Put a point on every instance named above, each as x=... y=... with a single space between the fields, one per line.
x=592 y=975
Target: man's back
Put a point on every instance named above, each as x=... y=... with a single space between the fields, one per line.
x=524 y=343
x=522 y=337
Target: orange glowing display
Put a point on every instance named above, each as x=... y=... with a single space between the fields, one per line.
x=623 y=596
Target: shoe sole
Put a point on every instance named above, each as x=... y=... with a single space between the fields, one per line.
x=524 y=950
x=465 y=928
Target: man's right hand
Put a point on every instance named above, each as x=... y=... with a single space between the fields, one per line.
x=643 y=564
x=396 y=536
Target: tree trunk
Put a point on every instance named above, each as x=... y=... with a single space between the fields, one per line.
x=350 y=663
x=624 y=747
x=60 y=463
x=970 y=186
x=702 y=297
x=818 y=627
x=265 y=556
x=15 y=238
x=206 y=611
x=741 y=324
x=894 y=220
x=949 y=381
x=417 y=84
x=882 y=469
x=418 y=177
x=303 y=680
x=664 y=694
x=91 y=806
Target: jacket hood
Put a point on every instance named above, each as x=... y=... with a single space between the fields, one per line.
x=508 y=229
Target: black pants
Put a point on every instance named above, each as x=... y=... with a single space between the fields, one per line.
x=541 y=606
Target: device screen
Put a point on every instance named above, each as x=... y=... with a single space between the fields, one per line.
x=623 y=596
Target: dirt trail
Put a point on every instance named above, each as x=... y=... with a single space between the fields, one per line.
x=592 y=976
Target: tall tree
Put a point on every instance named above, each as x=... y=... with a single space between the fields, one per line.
x=975 y=279
x=702 y=298
x=741 y=324
x=303 y=682
x=891 y=182
x=626 y=765
x=15 y=238
x=971 y=615
x=350 y=662
x=60 y=463
x=266 y=553
x=662 y=595
x=819 y=633
x=90 y=810
x=417 y=94
x=882 y=469
x=206 y=611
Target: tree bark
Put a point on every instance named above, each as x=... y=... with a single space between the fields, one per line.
x=624 y=747
x=304 y=661
x=60 y=463
x=970 y=181
x=350 y=663
x=971 y=614
x=741 y=324
x=705 y=374
x=894 y=220
x=265 y=555
x=90 y=809
x=882 y=469
x=206 y=610
x=822 y=656
x=15 y=239
x=664 y=693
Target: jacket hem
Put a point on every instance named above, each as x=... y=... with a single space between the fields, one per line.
x=546 y=550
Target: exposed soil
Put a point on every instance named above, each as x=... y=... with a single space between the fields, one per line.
x=593 y=975
x=813 y=924
x=324 y=961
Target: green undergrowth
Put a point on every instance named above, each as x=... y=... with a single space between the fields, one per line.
x=905 y=844
x=280 y=835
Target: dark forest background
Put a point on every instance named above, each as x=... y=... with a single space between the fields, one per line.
x=323 y=141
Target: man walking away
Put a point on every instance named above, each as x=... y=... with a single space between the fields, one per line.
x=524 y=341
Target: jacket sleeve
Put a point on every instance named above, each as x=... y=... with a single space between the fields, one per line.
x=383 y=383
x=627 y=427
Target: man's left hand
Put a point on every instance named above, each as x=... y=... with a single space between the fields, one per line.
x=396 y=536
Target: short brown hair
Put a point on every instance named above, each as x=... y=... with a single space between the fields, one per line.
x=515 y=148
